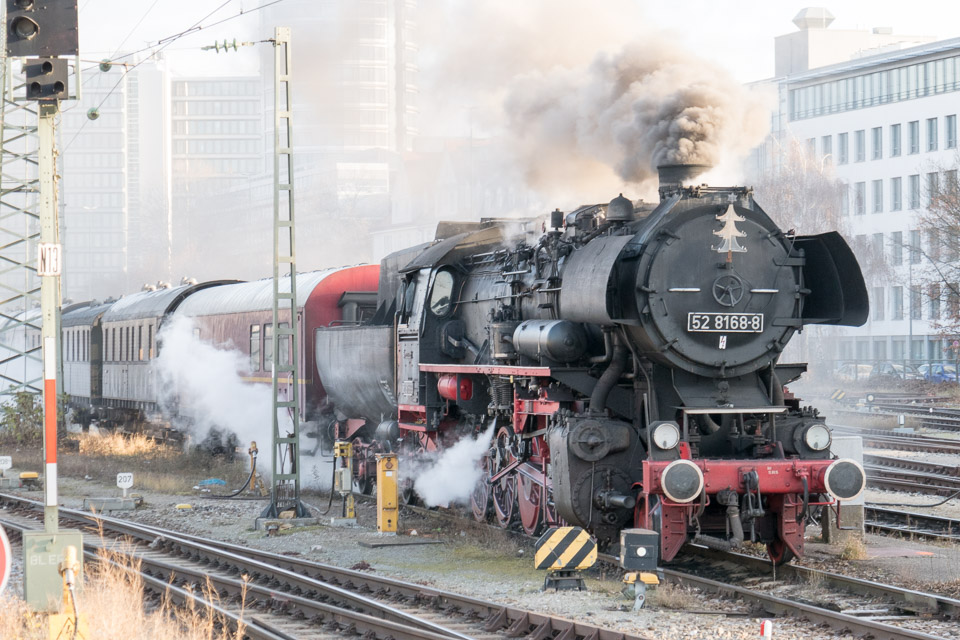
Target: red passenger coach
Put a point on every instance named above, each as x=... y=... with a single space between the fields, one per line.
x=240 y=316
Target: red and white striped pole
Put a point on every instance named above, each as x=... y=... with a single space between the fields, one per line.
x=49 y=261
x=766 y=630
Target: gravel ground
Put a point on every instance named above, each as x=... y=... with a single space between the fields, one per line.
x=495 y=566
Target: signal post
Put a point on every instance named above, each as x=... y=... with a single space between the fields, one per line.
x=39 y=33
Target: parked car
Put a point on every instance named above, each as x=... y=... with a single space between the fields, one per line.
x=850 y=372
x=938 y=372
x=893 y=371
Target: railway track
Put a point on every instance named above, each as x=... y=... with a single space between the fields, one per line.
x=295 y=599
x=847 y=604
x=855 y=606
x=885 y=439
x=910 y=524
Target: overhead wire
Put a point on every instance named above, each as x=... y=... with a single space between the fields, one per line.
x=163 y=44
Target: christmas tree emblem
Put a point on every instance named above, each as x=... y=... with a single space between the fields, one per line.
x=729 y=233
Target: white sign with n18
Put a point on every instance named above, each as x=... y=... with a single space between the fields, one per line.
x=6 y=462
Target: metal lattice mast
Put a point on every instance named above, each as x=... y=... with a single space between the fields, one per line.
x=285 y=490
x=20 y=348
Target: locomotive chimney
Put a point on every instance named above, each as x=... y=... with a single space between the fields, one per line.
x=673 y=176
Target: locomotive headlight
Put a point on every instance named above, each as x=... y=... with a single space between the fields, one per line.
x=682 y=481
x=844 y=479
x=666 y=435
x=817 y=437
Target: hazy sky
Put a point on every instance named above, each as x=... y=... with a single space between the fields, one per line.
x=737 y=34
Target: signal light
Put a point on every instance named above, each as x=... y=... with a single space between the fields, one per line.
x=24 y=27
x=46 y=29
x=46 y=79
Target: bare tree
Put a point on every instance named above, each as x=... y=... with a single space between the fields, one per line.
x=938 y=272
x=804 y=195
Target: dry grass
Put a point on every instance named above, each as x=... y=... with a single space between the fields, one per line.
x=670 y=596
x=156 y=467
x=113 y=607
x=854 y=549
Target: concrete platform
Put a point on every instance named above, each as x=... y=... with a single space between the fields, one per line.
x=99 y=505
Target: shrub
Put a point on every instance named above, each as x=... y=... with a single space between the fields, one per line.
x=21 y=421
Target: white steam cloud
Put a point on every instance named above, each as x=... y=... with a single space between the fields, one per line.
x=199 y=381
x=453 y=474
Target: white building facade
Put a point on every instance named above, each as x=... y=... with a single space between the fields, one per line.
x=887 y=123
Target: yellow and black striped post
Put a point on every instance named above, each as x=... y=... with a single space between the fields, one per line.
x=564 y=551
x=838 y=395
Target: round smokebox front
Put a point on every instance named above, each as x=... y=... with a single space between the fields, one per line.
x=715 y=297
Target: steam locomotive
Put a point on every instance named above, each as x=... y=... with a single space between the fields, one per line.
x=625 y=361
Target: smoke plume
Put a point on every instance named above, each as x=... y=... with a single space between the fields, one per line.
x=647 y=105
x=588 y=100
x=201 y=382
x=453 y=474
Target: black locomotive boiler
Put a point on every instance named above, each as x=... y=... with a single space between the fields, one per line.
x=626 y=358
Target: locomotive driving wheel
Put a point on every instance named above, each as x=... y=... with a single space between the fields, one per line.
x=529 y=499
x=480 y=498
x=504 y=490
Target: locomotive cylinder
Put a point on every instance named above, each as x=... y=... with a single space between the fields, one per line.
x=556 y=340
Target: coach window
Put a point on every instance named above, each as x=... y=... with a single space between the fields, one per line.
x=149 y=342
x=255 y=348
x=140 y=342
x=284 y=346
x=267 y=346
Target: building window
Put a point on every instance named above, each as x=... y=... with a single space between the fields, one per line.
x=842 y=149
x=915 y=249
x=812 y=147
x=877 y=303
x=859 y=146
x=255 y=348
x=826 y=148
x=933 y=186
x=933 y=245
x=896 y=303
x=845 y=199
x=916 y=304
x=859 y=198
x=877 y=245
x=934 y=294
x=880 y=349
x=895 y=140
x=914 y=191
x=913 y=137
x=950 y=184
x=878 y=196
x=896 y=194
x=953 y=299
x=877 y=151
x=931 y=134
x=950 y=142
x=896 y=247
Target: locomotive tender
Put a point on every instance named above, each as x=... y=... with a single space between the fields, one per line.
x=626 y=360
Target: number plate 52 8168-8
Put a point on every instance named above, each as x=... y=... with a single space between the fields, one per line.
x=725 y=322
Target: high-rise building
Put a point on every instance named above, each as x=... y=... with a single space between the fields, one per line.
x=881 y=110
x=114 y=188
x=217 y=147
